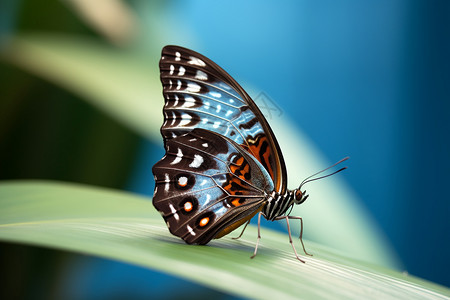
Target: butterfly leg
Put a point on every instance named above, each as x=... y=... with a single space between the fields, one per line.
x=290 y=236
x=259 y=235
x=242 y=232
x=301 y=231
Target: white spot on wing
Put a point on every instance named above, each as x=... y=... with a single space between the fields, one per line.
x=219 y=107
x=200 y=75
x=216 y=94
x=197 y=162
x=216 y=124
x=172 y=209
x=167 y=181
x=204 y=120
x=177 y=56
x=178 y=84
x=196 y=61
x=186 y=119
x=182 y=180
x=205 y=145
x=181 y=71
x=173 y=119
x=189 y=102
x=178 y=158
x=189 y=228
x=193 y=87
x=172 y=68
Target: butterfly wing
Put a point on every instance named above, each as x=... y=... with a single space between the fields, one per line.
x=200 y=94
x=205 y=183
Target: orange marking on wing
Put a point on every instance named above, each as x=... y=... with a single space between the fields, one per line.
x=229 y=186
x=255 y=148
x=236 y=165
x=245 y=171
x=236 y=202
x=204 y=221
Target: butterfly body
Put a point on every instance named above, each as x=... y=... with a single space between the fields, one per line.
x=223 y=163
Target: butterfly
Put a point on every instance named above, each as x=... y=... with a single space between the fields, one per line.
x=223 y=164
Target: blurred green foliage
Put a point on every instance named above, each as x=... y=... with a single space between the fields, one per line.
x=48 y=132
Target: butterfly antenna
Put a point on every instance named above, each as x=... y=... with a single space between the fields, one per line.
x=310 y=178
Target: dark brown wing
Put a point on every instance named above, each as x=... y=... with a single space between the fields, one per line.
x=200 y=94
x=205 y=183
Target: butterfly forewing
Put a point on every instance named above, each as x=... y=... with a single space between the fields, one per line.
x=200 y=94
x=206 y=182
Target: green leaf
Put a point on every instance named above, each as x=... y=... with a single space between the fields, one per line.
x=126 y=227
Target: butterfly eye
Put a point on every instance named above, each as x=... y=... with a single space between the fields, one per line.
x=298 y=195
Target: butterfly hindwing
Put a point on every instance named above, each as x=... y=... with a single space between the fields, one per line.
x=200 y=94
x=205 y=183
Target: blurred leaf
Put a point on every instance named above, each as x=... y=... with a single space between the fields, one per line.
x=47 y=132
x=118 y=82
x=126 y=227
x=113 y=18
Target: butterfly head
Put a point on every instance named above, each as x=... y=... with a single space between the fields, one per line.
x=299 y=196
